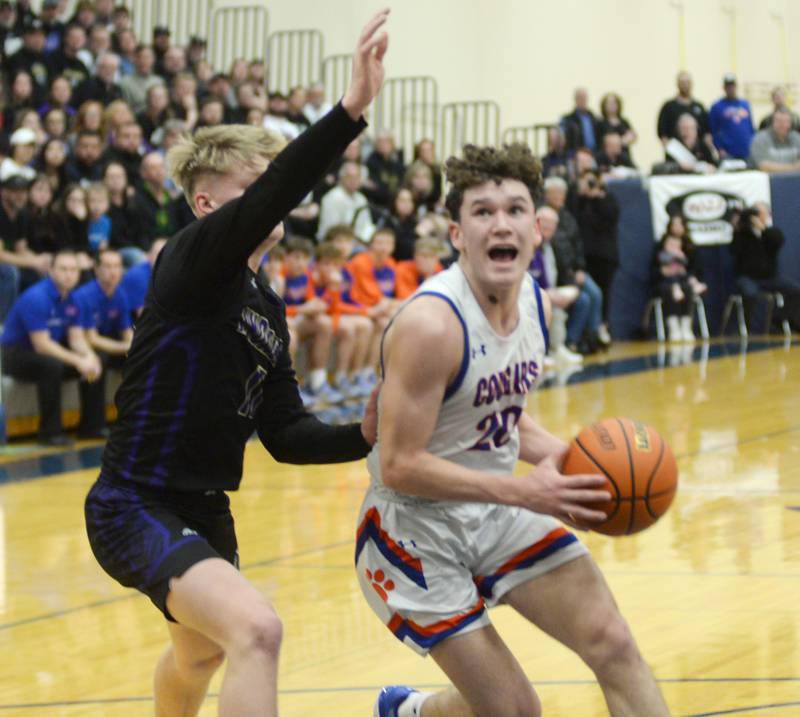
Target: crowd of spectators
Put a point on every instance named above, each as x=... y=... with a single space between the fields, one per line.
x=90 y=111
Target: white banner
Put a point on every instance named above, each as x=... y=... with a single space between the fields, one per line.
x=707 y=202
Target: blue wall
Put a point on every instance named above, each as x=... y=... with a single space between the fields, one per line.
x=631 y=289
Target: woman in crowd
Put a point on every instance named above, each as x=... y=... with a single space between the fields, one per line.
x=45 y=235
x=126 y=226
x=20 y=97
x=612 y=121
x=402 y=218
x=117 y=114
x=425 y=151
x=73 y=212
x=55 y=123
x=675 y=270
x=59 y=97
x=419 y=179
x=51 y=164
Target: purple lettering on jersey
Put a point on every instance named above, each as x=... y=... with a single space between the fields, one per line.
x=516 y=379
x=482 y=385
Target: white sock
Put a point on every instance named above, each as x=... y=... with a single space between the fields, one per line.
x=412 y=706
x=316 y=378
x=341 y=376
x=367 y=373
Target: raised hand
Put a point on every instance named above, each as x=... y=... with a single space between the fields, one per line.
x=368 y=70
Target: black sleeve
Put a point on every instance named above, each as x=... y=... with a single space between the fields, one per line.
x=292 y=435
x=663 y=128
x=202 y=261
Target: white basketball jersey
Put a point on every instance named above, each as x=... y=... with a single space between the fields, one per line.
x=477 y=423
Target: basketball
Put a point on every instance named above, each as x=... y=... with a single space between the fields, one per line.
x=640 y=470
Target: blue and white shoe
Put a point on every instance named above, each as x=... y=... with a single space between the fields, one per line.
x=349 y=389
x=366 y=383
x=390 y=699
x=325 y=394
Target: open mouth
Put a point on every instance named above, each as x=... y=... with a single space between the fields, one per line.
x=503 y=254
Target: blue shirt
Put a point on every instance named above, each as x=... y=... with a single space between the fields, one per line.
x=134 y=284
x=587 y=127
x=39 y=308
x=732 y=126
x=110 y=316
x=99 y=232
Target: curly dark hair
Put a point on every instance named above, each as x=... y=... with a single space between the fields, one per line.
x=482 y=164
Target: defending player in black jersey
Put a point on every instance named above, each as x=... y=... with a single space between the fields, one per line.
x=208 y=365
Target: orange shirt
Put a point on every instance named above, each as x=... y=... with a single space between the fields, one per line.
x=409 y=279
x=370 y=284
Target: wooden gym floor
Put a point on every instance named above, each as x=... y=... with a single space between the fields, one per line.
x=711 y=591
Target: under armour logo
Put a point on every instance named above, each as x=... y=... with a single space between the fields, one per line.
x=188 y=531
x=403 y=543
x=481 y=350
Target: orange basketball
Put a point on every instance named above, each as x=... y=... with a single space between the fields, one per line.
x=640 y=470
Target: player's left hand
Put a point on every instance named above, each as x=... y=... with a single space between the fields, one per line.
x=369 y=425
x=368 y=70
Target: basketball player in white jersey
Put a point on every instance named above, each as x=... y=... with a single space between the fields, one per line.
x=445 y=530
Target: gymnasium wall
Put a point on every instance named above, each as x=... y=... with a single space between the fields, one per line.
x=529 y=55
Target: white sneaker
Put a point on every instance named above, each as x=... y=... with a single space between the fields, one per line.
x=686 y=328
x=564 y=355
x=675 y=332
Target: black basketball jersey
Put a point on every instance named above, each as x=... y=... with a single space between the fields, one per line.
x=209 y=361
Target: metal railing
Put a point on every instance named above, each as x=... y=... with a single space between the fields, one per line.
x=335 y=75
x=476 y=122
x=295 y=58
x=409 y=106
x=184 y=18
x=237 y=31
x=535 y=136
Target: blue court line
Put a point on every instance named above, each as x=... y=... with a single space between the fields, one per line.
x=438 y=686
x=90 y=457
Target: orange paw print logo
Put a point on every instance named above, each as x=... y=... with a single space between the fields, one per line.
x=379 y=582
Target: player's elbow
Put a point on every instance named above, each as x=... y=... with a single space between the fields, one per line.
x=397 y=471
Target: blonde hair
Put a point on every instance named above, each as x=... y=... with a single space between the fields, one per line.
x=219 y=150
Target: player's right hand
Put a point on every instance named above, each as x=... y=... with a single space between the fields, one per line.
x=566 y=497
x=368 y=71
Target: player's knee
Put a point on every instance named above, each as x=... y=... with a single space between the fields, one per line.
x=520 y=702
x=609 y=643
x=261 y=634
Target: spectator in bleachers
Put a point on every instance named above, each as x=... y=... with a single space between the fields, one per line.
x=779 y=103
x=183 y=100
x=195 y=52
x=124 y=43
x=155 y=113
x=115 y=116
x=676 y=268
x=316 y=104
x=98 y=43
x=613 y=158
x=121 y=19
x=561 y=289
x=30 y=58
x=137 y=278
x=45 y=231
x=162 y=41
x=345 y=204
x=126 y=220
x=102 y=87
x=276 y=119
x=257 y=73
x=42 y=342
x=20 y=98
x=425 y=151
x=174 y=63
x=86 y=164
x=237 y=74
x=73 y=211
x=307 y=319
x=702 y=160
x=153 y=199
x=598 y=216
x=374 y=273
x=15 y=226
x=249 y=97
x=419 y=179
x=55 y=123
x=65 y=61
x=272 y=269
x=219 y=87
x=343 y=237
x=29 y=118
x=59 y=97
x=424 y=264
x=612 y=121
x=52 y=26
x=134 y=86
x=352 y=329
x=558 y=160
x=104 y=13
x=681 y=104
x=386 y=169
x=212 y=112
x=105 y=315
x=731 y=122
x=89 y=117
x=23 y=150
x=7 y=20
x=84 y=14
x=52 y=164
x=777 y=149
x=580 y=126
x=586 y=316
x=125 y=145
x=99 y=223
x=295 y=103
x=402 y=219
x=756 y=246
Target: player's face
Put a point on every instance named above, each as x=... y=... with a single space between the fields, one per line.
x=497 y=233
